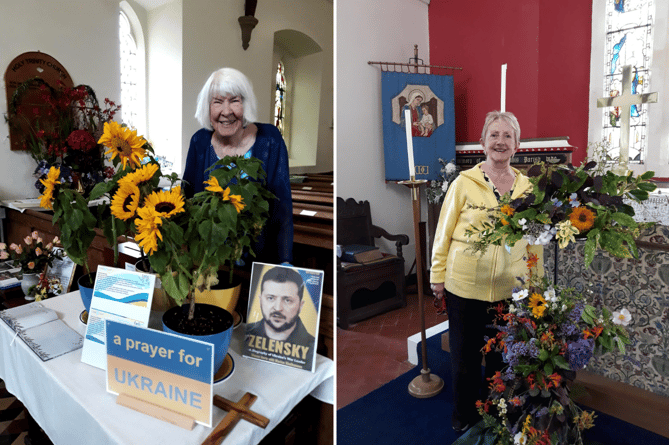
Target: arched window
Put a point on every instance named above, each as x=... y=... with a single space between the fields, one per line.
x=280 y=98
x=129 y=72
x=628 y=41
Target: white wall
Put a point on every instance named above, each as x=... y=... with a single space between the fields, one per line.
x=212 y=39
x=88 y=49
x=367 y=32
x=164 y=67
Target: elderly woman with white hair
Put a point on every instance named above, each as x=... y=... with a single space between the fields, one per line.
x=226 y=108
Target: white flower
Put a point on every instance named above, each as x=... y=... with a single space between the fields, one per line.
x=444 y=186
x=549 y=295
x=450 y=168
x=523 y=223
x=622 y=318
x=512 y=309
x=519 y=439
x=520 y=295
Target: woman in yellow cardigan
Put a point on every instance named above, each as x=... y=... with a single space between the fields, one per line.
x=472 y=282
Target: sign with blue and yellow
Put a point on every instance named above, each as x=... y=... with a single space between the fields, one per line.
x=164 y=369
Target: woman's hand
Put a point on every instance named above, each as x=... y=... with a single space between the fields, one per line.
x=438 y=290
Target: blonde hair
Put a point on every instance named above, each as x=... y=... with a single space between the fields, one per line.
x=506 y=116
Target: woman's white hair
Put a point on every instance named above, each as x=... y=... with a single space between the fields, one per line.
x=221 y=83
x=506 y=116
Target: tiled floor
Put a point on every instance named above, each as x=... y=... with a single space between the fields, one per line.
x=374 y=351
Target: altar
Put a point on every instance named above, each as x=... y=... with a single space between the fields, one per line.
x=68 y=398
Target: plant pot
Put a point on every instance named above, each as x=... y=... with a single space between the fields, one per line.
x=220 y=321
x=224 y=294
x=86 y=284
x=28 y=281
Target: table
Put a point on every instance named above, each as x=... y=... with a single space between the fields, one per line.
x=68 y=398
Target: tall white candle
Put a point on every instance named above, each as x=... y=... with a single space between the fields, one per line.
x=502 y=106
x=407 y=124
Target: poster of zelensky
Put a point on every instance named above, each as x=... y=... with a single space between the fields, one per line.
x=283 y=315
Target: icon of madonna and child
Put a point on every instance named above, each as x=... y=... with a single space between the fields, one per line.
x=424 y=111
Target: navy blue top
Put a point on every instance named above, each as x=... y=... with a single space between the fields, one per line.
x=275 y=243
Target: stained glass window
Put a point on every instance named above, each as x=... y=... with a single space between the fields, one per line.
x=629 y=41
x=129 y=79
x=280 y=99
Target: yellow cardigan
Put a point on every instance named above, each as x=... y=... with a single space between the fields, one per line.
x=490 y=276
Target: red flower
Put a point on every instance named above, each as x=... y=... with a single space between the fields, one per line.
x=81 y=140
x=554 y=380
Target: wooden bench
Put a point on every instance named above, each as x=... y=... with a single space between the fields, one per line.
x=313 y=228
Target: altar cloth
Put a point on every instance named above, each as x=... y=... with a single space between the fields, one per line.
x=68 y=398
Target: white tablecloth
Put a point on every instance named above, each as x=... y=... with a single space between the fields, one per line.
x=68 y=398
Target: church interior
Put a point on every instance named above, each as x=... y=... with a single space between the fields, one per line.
x=319 y=70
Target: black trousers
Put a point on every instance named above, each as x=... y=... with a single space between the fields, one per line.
x=469 y=322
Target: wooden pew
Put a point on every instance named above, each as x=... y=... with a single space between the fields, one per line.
x=313 y=216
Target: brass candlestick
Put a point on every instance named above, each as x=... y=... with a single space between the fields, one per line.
x=426 y=384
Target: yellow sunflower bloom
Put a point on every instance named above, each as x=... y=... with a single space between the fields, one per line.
x=125 y=202
x=236 y=200
x=148 y=229
x=123 y=142
x=46 y=200
x=166 y=204
x=538 y=305
x=214 y=186
x=141 y=175
x=582 y=218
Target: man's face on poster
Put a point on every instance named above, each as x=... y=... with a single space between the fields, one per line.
x=280 y=305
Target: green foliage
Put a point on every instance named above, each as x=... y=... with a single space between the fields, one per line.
x=547 y=211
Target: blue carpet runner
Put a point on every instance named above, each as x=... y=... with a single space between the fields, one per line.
x=390 y=415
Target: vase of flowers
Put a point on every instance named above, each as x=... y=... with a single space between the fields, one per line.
x=186 y=241
x=565 y=203
x=63 y=131
x=34 y=256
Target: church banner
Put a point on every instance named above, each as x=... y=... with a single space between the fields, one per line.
x=429 y=98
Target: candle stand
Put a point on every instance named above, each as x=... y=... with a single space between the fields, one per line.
x=426 y=384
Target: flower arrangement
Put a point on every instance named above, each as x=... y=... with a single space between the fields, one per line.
x=46 y=287
x=546 y=334
x=566 y=202
x=186 y=240
x=33 y=256
x=436 y=190
x=63 y=131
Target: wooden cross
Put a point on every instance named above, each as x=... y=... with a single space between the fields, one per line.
x=236 y=411
x=625 y=102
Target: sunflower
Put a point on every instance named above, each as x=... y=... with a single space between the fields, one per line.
x=123 y=142
x=582 y=218
x=125 y=202
x=538 y=305
x=148 y=229
x=214 y=186
x=166 y=204
x=236 y=200
x=46 y=200
x=141 y=175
